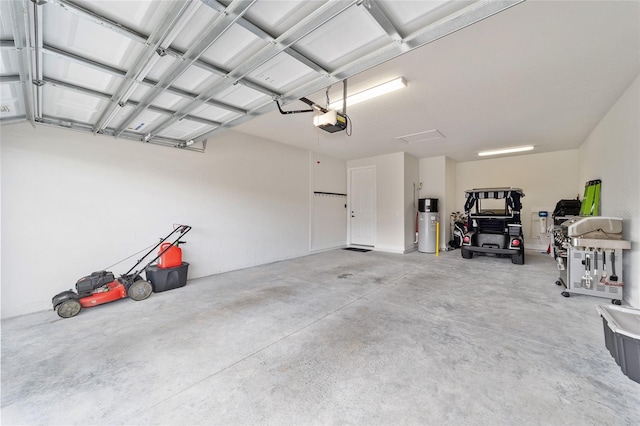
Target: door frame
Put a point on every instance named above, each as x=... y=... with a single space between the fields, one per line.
x=375 y=198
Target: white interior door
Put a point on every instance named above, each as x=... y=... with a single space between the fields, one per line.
x=362 y=212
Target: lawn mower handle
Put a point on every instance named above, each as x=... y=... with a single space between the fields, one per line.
x=182 y=229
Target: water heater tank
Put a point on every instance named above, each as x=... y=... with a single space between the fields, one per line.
x=428 y=205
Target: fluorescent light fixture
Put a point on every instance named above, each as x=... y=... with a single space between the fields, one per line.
x=365 y=95
x=506 y=150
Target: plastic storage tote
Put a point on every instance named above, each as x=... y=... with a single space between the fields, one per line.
x=163 y=279
x=622 y=337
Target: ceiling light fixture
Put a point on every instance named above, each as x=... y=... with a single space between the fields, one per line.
x=373 y=92
x=506 y=150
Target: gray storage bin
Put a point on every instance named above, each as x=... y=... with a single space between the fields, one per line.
x=622 y=337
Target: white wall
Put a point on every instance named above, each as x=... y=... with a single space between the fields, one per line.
x=451 y=197
x=329 y=213
x=432 y=176
x=73 y=203
x=390 y=232
x=435 y=175
x=1 y=223
x=411 y=180
x=545 y=179
x=612 y=153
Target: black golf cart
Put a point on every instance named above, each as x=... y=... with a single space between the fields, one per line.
x=494 y=226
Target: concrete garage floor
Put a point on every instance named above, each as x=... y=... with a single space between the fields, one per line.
x=333 y=338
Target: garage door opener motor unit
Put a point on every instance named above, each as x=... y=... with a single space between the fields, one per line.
x=328 y=120
x=102 y=287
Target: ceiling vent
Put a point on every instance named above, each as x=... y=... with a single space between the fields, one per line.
x=428 y=135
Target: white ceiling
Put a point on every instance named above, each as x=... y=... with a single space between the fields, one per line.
x=541 y=73
x=489 y=74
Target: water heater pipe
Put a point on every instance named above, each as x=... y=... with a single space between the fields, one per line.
x=437 y=238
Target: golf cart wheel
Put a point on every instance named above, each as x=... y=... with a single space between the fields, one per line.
x=466 y=254
x=565 y=294
x=518 y=259
x=616 y=301
x=140 y=290
x=68 y=309
x=558 y=282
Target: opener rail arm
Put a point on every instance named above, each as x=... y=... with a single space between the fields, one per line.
x=298 y=111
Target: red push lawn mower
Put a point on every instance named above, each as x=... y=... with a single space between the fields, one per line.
x=102 y=287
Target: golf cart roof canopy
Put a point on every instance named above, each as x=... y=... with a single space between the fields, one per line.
x=502 y=192
x=512 y=196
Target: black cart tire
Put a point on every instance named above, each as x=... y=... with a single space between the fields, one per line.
x=558 y=282
x=466 y=254
x=68 y=309
x=518 y=259
x=565 y=294
x=616 y=302
x=140 y=290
